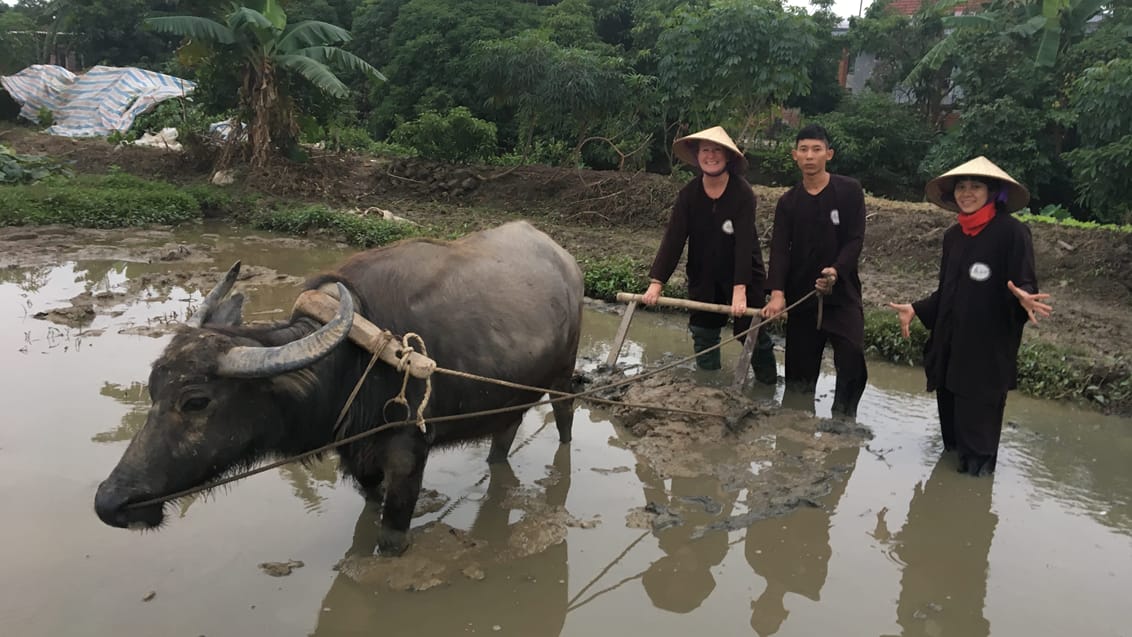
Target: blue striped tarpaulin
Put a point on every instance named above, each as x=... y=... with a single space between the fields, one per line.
x=102 y=100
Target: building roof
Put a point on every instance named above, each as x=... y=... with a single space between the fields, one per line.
x=910 y=7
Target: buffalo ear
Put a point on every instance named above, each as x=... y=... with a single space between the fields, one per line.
x=230 y=312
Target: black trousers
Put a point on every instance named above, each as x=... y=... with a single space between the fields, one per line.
x=805 y=344
x=973 y=426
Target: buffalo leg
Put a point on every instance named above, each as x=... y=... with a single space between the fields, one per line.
x=371 y=486
x=404 y=471
x=564 y=409
x=502 y=439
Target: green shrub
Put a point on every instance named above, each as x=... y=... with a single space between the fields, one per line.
x=96 y=202
x=607 y=276
x=455 y=136
x=356 y=229
x=24 y=169
x=883 y=338
x=45 y=117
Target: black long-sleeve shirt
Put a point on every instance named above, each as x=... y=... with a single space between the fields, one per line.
x=976 y=322
x=723 y=244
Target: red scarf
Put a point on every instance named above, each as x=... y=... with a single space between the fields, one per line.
x=974 y=223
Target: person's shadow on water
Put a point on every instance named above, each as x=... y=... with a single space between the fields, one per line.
x=791 y=553
x=524 y=596
x=681 y=579
x=944 y=546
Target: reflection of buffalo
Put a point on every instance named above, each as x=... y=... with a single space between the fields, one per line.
x=504 y=303
x=792 y=552
x=527 y=596
x=944 y=546
x=681 y=580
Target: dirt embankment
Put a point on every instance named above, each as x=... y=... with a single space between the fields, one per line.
x=596 y=214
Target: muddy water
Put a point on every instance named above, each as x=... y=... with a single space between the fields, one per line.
x=902 y=546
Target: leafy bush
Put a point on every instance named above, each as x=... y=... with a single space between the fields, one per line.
x=455 y=136
x=357 y=230
x=23 y=169
x=607 y=276
x=189 y=118
x=109 y=201
x=771 y=162
x=879 y=142
x=45 y=117
x=883 y=338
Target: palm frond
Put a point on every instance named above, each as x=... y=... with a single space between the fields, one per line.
x=315 y=72
x=344 y=60
x=312 y=33
x=193 y=27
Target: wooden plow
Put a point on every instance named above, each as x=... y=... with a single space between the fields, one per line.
x=741 y=367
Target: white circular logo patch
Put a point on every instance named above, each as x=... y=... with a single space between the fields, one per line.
x=979 y=272
x=728 y=228
x=835 y=217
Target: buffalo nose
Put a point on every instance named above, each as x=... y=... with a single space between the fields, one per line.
x=109 y=504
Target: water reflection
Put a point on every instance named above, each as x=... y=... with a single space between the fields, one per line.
x=524 y=596
x=681 y=580
x=792 y=552
x=944 y=547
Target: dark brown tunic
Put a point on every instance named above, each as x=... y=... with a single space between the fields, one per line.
x=812 y=232
x=975 y=321
x=723 y=245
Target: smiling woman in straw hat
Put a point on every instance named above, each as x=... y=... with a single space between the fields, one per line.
x=987 y=291
x=715 y=215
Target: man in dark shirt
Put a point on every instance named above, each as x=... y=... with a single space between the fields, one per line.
x=819 y=227
x=714 y=216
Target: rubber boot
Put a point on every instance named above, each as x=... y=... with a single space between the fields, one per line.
x=763 y=363
x=704 y=338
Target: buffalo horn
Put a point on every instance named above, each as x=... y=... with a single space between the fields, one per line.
x=261 y=362
x=215 y=296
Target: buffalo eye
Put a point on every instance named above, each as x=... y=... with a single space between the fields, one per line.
x=194 y=403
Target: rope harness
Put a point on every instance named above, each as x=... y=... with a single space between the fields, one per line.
x=420 y=422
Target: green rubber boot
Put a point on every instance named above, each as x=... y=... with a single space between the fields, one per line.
x=704 y=338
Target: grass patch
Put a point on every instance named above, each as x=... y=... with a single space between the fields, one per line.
x=1073 y=223
x=606 y=276
x=97 y=201
x=1044 y=370
x=355 y=229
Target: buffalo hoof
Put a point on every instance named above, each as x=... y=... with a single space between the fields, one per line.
x=392 y=543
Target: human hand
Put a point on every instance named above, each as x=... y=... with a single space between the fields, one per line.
x=906 y=313
x=652 y=294
x=1032 y=303
x=774 y=307
x=824 y=284
x=739 y=300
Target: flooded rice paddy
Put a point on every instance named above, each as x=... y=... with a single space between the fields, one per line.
x=902 y=545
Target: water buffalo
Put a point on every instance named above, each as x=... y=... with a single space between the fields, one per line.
x=504 y=303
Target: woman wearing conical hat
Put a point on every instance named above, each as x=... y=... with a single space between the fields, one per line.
x=715 y=215
x=987 y=291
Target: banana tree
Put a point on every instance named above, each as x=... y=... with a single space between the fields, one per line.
x=257 y=37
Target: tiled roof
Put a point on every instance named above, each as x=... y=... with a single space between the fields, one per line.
x=909 y=7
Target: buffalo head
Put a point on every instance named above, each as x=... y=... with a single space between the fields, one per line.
x=216 y=391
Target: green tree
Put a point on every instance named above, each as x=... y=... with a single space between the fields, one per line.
x=17 y=42
x=1102 y=163
x=898 y=43
x=257 y=38
x=562 y=92
x=880 y=142
x=427 y=47
x=733 y=59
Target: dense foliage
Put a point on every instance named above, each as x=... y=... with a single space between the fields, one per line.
x=1036 y=85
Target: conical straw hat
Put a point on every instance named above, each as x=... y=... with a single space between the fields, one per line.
x=1016 y=194
x=686 y=151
